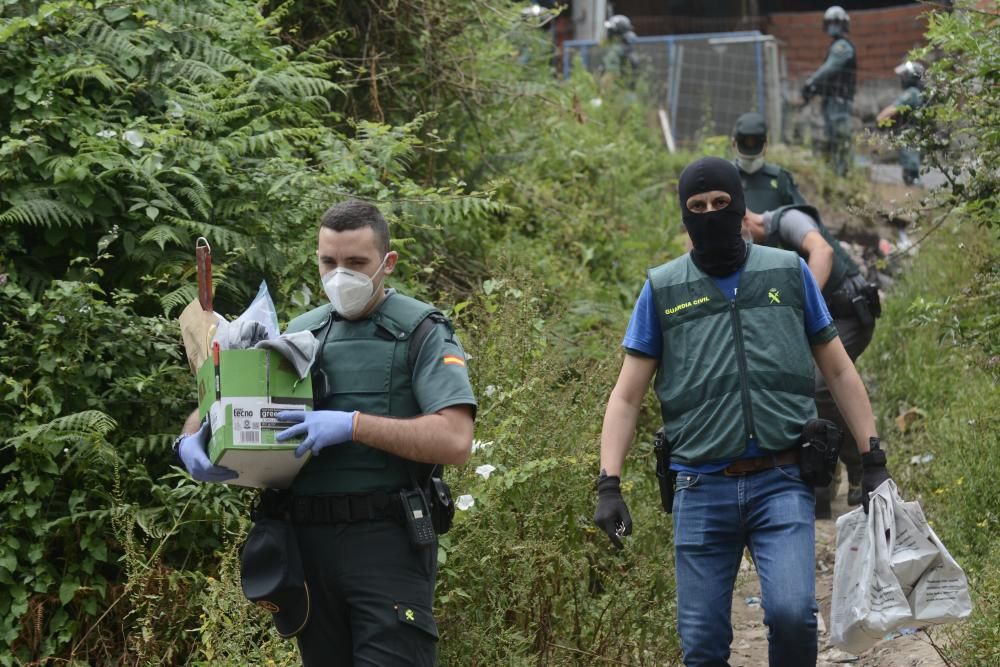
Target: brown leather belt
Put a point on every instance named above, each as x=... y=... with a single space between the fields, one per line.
x=756 y=464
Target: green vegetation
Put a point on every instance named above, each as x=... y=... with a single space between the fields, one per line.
x=941 y=356
x=128 y=129
x=525 y=205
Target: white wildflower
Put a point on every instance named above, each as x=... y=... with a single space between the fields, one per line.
x=485 y=470
x=464 y=502
x=107 y=134
x=490 y=390
x=479 y=444
x=134 y=138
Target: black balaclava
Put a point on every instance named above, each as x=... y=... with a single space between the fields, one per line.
x=719 y=248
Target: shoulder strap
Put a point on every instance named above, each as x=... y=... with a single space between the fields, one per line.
x=420 y=335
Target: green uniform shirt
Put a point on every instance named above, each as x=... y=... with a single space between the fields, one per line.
x=770 y=187
x=365 y=366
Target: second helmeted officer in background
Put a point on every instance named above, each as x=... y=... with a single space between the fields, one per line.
x=835 y=81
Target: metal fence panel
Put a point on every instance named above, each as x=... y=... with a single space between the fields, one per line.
x=702 y=82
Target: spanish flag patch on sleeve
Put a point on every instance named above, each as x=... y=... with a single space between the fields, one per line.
x=453 y=359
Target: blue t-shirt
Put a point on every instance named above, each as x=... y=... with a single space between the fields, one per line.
x=643 y=337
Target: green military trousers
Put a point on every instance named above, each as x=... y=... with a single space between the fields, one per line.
x=371 y=595
x=909 y=160
x=837 y=120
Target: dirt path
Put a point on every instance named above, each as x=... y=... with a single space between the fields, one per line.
x=749 y=648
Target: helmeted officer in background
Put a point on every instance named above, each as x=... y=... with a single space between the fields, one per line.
x=619 y=56
x=778 y=216
x=765 y=185
x=385 y=414
x=731 y=332
x=835 y=82
x=896 y=114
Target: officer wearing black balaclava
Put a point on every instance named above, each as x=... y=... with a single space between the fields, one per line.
x=715 y=229
x=731 y=331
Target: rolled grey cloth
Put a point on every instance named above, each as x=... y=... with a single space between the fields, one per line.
x=244 y=334
x=299 y=348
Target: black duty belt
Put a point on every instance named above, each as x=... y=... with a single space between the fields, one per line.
x=350 y=508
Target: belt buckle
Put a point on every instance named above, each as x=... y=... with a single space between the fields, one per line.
x=733 y=473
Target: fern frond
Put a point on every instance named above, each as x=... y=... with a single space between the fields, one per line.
x=185 y=17
x=90 y=425
x=99 y=36
x=96 y=73
x=213 y=56
x=220 y=235
x=178 y=298
x=186 y=69
x=255 y=144
x=161 y=235
x=45 y=213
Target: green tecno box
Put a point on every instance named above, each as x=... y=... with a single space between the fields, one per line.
x=242 y=395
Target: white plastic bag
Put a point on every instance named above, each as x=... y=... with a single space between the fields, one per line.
x=868 y=600
x=891 y=571
x=941 y=595
x=912 y=550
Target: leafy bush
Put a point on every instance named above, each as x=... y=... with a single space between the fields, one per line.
x=131 y=128
x=94 y=509
x=957 y=130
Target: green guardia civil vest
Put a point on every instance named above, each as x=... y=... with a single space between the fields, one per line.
x=767 y=188
x=843 y=266
x=362 y=365
x=733 y=369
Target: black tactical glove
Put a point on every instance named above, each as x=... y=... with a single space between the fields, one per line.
x=873 y=464
x=808 y=90
x=612 y=514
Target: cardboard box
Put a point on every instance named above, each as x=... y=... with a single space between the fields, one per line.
x=242 y=398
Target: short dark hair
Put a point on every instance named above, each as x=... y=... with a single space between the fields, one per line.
x=356 y=214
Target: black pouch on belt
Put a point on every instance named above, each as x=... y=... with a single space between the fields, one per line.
x=442 y=506
x=820 y=449
x=664 y=475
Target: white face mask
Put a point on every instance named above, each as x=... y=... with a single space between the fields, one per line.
x=350 y=291
x=750 y=164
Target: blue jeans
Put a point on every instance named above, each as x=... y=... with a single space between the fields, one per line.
x=715 y=516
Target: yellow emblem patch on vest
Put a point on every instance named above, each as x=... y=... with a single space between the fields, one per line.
x=687 y=304
x=453 y=360
x=409 y=615
x=773 y=295
x=774 y=183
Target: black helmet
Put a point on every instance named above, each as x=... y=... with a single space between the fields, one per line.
x=619 y=24
x=750 y=134
x=910 y=73
x=836 y=21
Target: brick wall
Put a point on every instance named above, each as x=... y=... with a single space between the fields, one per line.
x=882 y=38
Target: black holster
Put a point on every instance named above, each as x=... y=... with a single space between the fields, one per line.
x=820 y=443
x=664 y=475
x=442 y=506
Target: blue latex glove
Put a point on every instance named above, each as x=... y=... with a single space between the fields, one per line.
x=322 y=428
x=192 y=452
